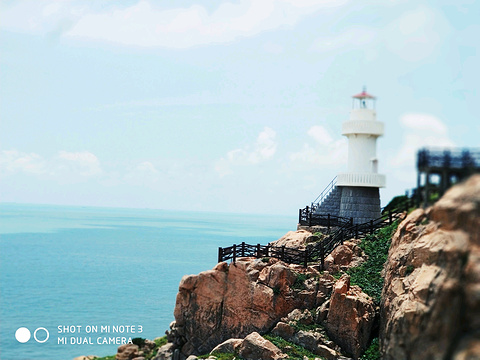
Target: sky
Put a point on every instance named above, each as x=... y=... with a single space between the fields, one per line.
x=225 y=106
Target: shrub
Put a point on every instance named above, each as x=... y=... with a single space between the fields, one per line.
x=372 y=352
x=299 y=283
x=368 y=275
x=293 y=351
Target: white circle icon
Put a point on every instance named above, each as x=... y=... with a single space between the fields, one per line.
x=22 y=335
x=46 y=337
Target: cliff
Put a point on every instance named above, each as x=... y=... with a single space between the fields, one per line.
x=267 y=309
x=431 y=297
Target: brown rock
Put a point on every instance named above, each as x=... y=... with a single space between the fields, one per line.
x=326 y=353
x=322 y=312
x=298 y=316
x=127 y=352
x=255 y=347
x=248 y=296
x=342 y=255
x=165 y=352
x=293 y=239
x=431 y=296
x=284 y=330
x=350 y=317
x=228 y=346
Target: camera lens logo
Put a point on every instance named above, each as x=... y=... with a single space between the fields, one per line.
x=40 y=335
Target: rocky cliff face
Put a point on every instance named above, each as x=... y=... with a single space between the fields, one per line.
x=431 y=297
x=232 y=301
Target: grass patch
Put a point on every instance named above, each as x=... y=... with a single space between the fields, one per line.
x=368 y=275
x=299 y=283
x=293 y=351
x=140 y=342
x=372 y=352
x=222 y=356
x=410 y=269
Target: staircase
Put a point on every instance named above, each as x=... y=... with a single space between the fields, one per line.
x=331 y=203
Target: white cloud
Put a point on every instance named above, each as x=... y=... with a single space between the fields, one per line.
x=144 y=24
x=83 y=163
x=325 y=151
x=263 y=150
x=13 y=161
x=64 y=166
x=320 y=134
x=423 y=122
x=420 y=130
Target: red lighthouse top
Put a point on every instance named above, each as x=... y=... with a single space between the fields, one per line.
x=363 y=100
x=363 y=95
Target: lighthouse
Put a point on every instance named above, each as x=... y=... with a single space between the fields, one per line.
x=359 y=186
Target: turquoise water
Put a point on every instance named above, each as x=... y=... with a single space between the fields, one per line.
x=89 y=270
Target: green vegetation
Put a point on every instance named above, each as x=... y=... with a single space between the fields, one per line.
x=410 y=269
x=160 y=341
x=222 y=356
x=395 y=203
x=141 y=342
x=299 y=283
x=293 y=351
x=368 y=275
x=112 y=357
x=372 y=352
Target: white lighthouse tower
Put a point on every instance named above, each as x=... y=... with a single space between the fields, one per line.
x=359 y=186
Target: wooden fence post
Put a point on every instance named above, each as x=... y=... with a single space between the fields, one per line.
x=300 y=216
x=234 y=253
x=243 y=248
x=220 y=254
x=258 y=251
x=356 y=231
x=371 y=226
x=390 y=217
x=282 y=255
x=328 y=223
x=268 y=251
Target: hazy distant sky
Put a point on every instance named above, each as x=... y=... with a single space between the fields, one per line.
x=224 y=106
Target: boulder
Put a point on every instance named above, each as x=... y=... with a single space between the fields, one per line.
x=127 y=352
x=255 y=347
x=284 y=330
x=232 y=301
x=344 y=256
x=165 y=352
x=293 y=239
x=431 y=296
x=298 y=316
x=350 y=317
x=228 y=346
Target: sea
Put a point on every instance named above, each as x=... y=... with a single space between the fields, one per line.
x=82 y=280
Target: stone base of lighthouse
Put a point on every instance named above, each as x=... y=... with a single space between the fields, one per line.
x=360 y=203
